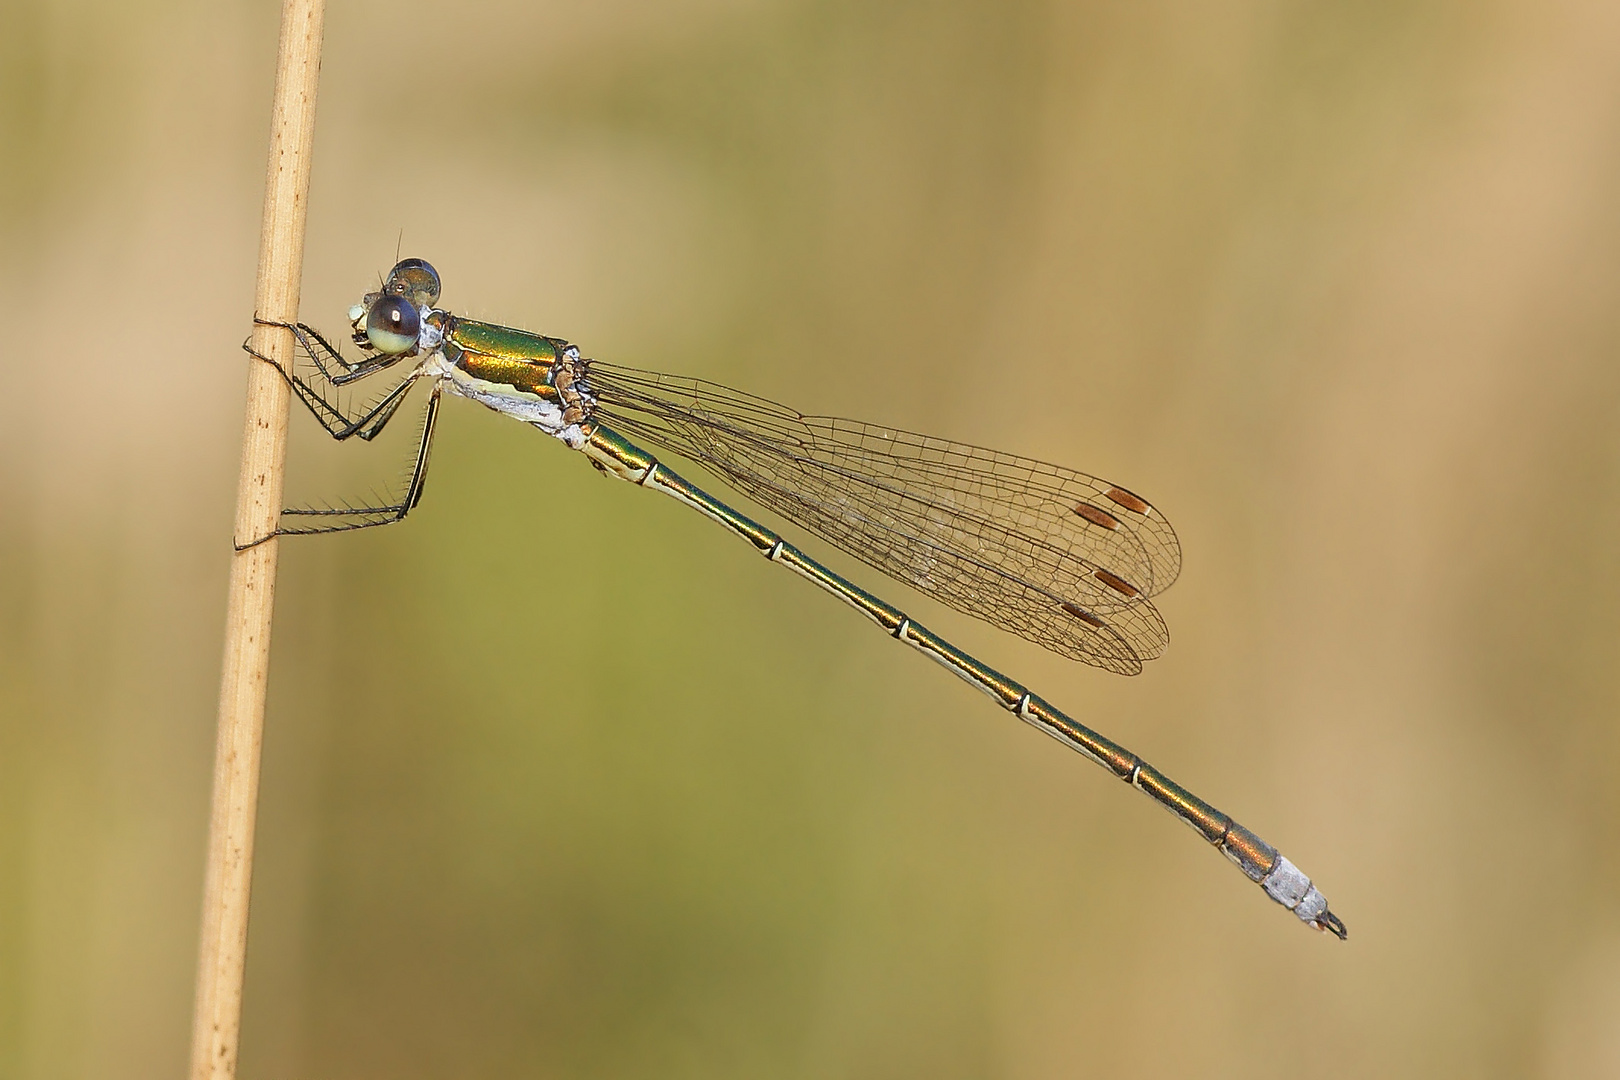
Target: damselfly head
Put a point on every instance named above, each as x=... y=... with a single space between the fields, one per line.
x=389 y=321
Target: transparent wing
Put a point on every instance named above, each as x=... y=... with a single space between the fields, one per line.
x=1055 y=556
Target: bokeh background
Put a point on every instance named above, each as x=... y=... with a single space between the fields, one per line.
x=560 y=781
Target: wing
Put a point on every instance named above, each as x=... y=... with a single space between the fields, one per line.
x=1055 y=556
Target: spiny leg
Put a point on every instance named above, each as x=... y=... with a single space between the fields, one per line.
x=346 y=518
x=341 y=424
x=326 y=355
x=315 y=520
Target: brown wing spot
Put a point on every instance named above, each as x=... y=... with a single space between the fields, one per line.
x=1096 y=516
x=1083 y=615
x=1117 y=583
x=1130 y=502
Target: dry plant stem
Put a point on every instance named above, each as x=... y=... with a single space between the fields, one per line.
x=217 y=1021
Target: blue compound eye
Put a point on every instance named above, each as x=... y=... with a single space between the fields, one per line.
x=392 y=325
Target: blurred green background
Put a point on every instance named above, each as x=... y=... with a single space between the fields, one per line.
x=1333 y=284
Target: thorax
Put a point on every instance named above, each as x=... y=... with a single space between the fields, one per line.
x=537 y=379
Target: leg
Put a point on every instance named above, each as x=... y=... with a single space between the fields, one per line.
x=307 y=521
x=327 y=406
x=326 y=355
x=345 y=518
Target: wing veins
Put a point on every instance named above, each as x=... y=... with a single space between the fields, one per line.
x=741 y=436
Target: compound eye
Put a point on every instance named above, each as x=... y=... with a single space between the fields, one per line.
x=416 y=281
x=392 y=325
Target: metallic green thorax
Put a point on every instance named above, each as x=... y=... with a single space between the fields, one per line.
x=500 y=354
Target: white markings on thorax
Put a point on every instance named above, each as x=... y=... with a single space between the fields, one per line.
x=518 y=404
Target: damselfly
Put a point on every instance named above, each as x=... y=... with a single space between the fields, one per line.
x=1055 y=556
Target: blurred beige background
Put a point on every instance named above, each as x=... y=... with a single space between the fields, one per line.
x=560 y=782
